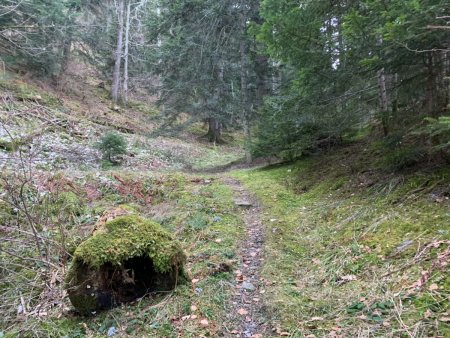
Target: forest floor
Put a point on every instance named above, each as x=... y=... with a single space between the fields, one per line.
x=334 y=245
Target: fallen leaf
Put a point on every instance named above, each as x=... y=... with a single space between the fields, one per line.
x=348 y=278
x=313 y=319
x=243 y=312
x=204 y=322
x=433 y=287
x=445 y=319
x=195 y=281
x=194 y=308
x=257 y=336
x=194 y=316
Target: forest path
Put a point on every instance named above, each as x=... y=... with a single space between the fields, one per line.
x=247 y=318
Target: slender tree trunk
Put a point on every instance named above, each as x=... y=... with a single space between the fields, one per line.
x=118 y=55
x=125 y=66
x=442 y=85
x=394 y=91
x=65 y=61
x=244 y=88
x=384 y=106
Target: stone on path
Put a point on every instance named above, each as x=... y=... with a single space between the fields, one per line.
x=248 y=286
x=243 y=203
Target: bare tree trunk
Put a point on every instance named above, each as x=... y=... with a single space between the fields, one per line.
x=442 y=85
x=394 y=91
x=214 y=130
x=430 y=86
x=118 y=55
x=65 y=61
x=125 y=66
x=244 y=94
x=384 y=106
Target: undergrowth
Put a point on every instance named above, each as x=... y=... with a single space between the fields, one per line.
x=199 y=211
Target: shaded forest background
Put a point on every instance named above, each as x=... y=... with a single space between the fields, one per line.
x=295 y=76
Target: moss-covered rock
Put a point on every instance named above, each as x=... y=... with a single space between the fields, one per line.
x=123 y=260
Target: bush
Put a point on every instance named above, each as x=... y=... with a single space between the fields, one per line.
x=404 y=157
x=111 y=146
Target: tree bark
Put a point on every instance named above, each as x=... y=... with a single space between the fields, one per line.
x=384 y=106
x=244 y=88
x=125 y=66
x=118 y=55
x=65 y=61
x=214 y=130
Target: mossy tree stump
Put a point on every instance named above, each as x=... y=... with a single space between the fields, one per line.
x=123 y=260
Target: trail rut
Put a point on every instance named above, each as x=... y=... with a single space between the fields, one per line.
x=246 y=319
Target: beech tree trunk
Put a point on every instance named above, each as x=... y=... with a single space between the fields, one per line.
x=118 y=54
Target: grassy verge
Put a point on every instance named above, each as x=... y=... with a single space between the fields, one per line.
x=352 y=250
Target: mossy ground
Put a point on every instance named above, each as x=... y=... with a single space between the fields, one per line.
x=335 y=265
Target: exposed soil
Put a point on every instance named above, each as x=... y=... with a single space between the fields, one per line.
x=246 y=319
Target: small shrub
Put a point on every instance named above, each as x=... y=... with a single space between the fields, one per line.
x=403 y=157
x=111 y=146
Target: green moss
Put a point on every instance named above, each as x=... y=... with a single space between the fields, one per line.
x=69 y=202
x=11 y=146
x=25 y=91
x=126 y=237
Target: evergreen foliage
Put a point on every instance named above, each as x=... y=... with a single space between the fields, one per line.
x=112 y=145
x=202 y=49
x=349 y=63
x=33 y=33
x=308 y=72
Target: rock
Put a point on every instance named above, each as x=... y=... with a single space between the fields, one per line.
x=112 y=331
x=243 y=203
x=403 y=246
x=248 y=286
x=123 y=260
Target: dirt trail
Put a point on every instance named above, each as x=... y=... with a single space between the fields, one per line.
x=246 y=319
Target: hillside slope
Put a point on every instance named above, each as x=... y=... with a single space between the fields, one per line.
x=353 y=249
x=334 y=245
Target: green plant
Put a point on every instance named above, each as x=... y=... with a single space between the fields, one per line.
x=112 y=145
x=439 y=131
x=403 y=157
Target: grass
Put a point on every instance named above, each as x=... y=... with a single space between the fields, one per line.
x=335 y=227
x=202 y=217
